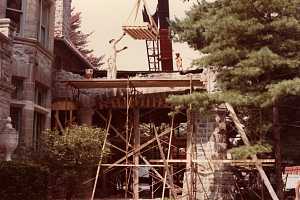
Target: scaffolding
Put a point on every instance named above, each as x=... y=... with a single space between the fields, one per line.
x=177 y=176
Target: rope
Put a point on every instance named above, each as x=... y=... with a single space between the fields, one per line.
x=135 y=12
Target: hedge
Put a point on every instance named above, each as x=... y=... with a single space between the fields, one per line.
x=22 y=181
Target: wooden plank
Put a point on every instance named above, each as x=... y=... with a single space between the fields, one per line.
x=61 y=128
x=112 y=127
x=155 y=171
x=137 y=83
x=246 y=161
x=245 y=139
x=167 y=170
x=131 y=165
x=136 y=155
x=140 y=148
x=101 y=156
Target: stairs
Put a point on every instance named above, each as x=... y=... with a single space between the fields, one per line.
x=153 y=55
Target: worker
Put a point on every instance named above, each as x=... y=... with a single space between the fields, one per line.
x=112 y=59
x=178 y=60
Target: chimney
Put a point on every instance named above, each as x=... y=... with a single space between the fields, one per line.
x=164 y=33
x=62 y=18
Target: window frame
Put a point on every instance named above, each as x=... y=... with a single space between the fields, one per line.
x=18 y=83
x=21 y=14
x=44 y=5
x=40 y=94
x=38 y=128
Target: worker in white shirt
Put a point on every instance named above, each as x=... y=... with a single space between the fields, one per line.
x=178 y=60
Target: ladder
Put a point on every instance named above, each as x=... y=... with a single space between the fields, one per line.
x=153 y=55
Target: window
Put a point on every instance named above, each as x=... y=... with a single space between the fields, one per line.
x=40 y=96
x=18 y=88
x=38 y=128
x=44 y=23
x=14 y=11
x=16 y=118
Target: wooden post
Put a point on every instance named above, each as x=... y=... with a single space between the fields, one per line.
x=189 y=156
x=101 y=155
x=136 y=155
x=276 y=133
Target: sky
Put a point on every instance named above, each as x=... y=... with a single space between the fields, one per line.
x=106 y=17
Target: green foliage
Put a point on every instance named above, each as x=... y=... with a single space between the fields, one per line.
x=23 y=181
x=244 y=152
x=255 y=44
x=72 y=156
x=79 y=145
x=255 y=47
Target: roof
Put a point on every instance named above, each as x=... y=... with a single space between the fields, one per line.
x=71 y=46
x=136 y=83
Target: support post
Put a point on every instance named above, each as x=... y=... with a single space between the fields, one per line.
x=277 y=137
x=189 y=156
x=136 y=155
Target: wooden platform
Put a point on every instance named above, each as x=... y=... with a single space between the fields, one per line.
x=136 y=83
x=142 y=32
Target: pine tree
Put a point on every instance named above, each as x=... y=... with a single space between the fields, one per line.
x=81 y=39
x=255 y=46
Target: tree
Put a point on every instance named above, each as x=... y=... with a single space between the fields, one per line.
x=255 y=47
x=80 y=39
x=72 y=155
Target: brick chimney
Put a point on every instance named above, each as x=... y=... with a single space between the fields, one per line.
x=62 y=18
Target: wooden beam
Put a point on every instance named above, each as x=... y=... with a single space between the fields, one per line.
x=189 y=155
x=277 y=150
x=141 y=147
x=245 y=161
x=246 y=141
x=136 y=83
x=136 y=145
x=155 y=171
x=101 y=156
x=131 y=165
x=167 y=171
x=61 y=128
x=112 y=127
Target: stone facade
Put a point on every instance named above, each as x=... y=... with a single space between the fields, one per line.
x=6 y=37
x=30 y=57
x=214 y=181
x=62 y=16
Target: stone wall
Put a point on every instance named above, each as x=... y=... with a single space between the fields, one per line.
x=214 y=180
x=6 y=37
x=32 y=64
x=85 y=100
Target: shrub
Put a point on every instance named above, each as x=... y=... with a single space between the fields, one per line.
x=22 y=181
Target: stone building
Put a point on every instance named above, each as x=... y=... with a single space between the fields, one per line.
x=6 y=31
x=34 y=41
x=32 y=55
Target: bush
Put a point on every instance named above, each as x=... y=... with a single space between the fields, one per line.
x=22 y=181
